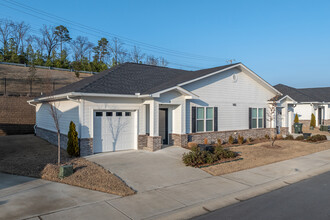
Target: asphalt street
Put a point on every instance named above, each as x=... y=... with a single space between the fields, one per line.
x=308 y=199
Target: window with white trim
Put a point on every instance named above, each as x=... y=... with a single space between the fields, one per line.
x=257 y=118
x=204 y=119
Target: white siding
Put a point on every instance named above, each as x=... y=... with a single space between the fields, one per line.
x=221 y=91
x=67 y=111
x=304 y=111
x=91 y=104
x=174 y=101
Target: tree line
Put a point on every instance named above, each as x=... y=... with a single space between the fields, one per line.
x=54 y=47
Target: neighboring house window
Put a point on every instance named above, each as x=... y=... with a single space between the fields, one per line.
x=203 y=119
x=257 y=117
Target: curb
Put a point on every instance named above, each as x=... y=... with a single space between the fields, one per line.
x=221 y=202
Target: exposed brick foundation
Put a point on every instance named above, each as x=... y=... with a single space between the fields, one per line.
x=51 y=137
x=212 y=137
x=153 y=143
x=178 y=139
x=142 y=141
x=327 y=122
x=86 y=146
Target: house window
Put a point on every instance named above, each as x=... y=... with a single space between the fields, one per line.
x=257 y=118
x=204 y=119
x=109 y=114
x=209 y=119
x=260 y=117
x=127 y=114
x=98 y=114
x=119 y=114
x=200 y=119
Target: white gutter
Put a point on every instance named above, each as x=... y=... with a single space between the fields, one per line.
x=29 y=102
x=81 y=94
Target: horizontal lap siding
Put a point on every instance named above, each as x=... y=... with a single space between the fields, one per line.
x=68 y=111
x=220 y=91
x=304 y=111
x=91 y=104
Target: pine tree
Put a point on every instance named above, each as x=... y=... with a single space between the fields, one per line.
x=313 y=121
x=73 y=146
x=296 y=119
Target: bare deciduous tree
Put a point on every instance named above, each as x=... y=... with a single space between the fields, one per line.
x=49 y=39
x=162 y=62
x=20 y=31
x=152 y=60
x=80 y=48
x=6 y=29
x=118 y=51
x=271 y=116
x=136 y=56
x=56 y=115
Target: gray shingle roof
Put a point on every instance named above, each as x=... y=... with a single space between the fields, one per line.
x=306 y=95
x=131 y=78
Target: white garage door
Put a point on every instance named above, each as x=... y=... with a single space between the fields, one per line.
x=113 y=131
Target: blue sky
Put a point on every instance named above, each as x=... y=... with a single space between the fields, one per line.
x=283 y=41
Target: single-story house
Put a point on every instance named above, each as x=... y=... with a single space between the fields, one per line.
x=304 y=103
x=138 y=106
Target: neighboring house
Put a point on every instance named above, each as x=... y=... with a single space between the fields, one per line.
x=304 y=102
x=137 y=106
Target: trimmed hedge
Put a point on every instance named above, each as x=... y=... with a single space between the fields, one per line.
x=317 y=137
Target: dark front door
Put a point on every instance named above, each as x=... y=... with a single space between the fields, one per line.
x=163 y=125
x=320 y=116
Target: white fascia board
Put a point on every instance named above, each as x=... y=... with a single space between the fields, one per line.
x=180 y=89
x=81 y=94
x=287 y=96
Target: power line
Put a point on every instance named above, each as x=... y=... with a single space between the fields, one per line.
x=157 y=48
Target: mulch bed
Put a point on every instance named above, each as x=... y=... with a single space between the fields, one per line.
x=27 y=155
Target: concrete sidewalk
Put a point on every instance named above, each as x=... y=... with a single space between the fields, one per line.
x=181 y=201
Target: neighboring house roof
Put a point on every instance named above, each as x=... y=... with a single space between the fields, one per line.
x=305 y=95
x=131 y=79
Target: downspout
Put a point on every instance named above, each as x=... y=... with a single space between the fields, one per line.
x=35 y=125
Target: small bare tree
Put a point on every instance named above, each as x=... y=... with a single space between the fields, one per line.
x=56 y=115
x=271 y=113
x=135 y=55
x=49 y=39
x=32 y=76
x=20 y=31
x=6 y=29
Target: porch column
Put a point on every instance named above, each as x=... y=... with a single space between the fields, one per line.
x=154 y=118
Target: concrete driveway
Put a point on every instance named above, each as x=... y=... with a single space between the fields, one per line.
x=145 y=171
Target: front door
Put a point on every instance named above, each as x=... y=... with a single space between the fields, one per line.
x=163 y=125
x=320 y=116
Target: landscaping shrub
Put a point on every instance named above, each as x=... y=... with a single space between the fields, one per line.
x=296 y=119
x=267 y=136
x=192 y=144
x=313 y=121
x=205 y=140
x=300 y=138
x=249 y=140
x=240 y=139
x=219 y=142
x=72 y=145
x=289 y=137
x=317 y=137
x=231 y=139
x=197 y=157
x=279 y=137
